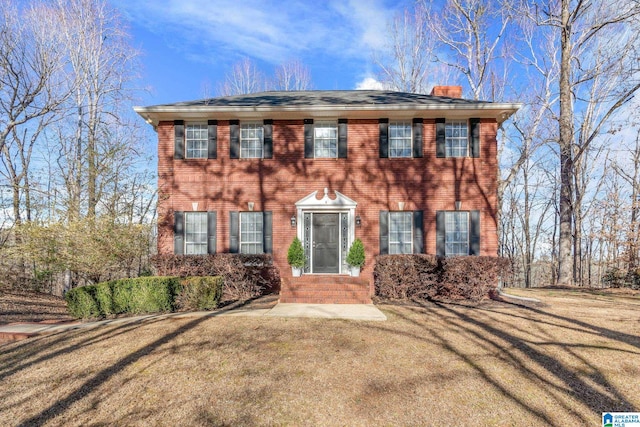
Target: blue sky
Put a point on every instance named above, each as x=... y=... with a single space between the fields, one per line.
x=188 y=45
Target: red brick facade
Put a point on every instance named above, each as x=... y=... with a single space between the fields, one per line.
x=429 y=184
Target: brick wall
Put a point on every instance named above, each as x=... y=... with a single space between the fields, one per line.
x=429 y=184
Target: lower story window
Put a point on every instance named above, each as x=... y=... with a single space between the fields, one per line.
x=400 y=232
x=456 y=233
x=251 y=232
x=195 y=241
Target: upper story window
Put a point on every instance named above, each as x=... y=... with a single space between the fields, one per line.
x=325 y=139
x=251 y=140
x=400 y=232
x=400 y=139
x=456 y=138
x=196 y=140
x=251 y=232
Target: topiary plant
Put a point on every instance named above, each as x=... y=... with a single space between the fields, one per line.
x=355 y=257
x=295 y=255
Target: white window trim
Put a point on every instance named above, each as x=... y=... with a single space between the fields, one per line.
x=401 y=122
x=188 y=243
x=410 y=213
x=447 y=140
x=260 y=242
x=243 y=151
x=324 y=123
x=205 y=152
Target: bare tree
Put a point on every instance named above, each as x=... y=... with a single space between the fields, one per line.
x=32 y=91
x=292 y=75
x=407 y=63
x=598 y=75
x=102 y=63
x=243 y=78
x=472 y=32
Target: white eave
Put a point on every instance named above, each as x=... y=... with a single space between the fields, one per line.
x=499 y=111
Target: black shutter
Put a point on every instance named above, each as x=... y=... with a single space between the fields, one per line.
x=417 y=137
x=213 y=139
x=211 y=232
x=178 y=232
x=474 y=235
x=267 y=232
x=383 y=125
x=384 y=232
x=418 y=239
x=342 y=138
x=234 y=231
x=474 y=131
x=267 y=129
x=441 y=138
x=234 y=133
x=308 y=139
x=440 y=233
x=178 y=128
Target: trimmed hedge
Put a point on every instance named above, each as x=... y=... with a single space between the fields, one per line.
x=200 y=293
x=144 y=295
x=245 y=276
x=432 y=277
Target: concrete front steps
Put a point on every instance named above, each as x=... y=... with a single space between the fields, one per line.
x=325 y=289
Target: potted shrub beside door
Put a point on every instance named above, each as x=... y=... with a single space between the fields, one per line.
x=295 y=257
x=355 y=257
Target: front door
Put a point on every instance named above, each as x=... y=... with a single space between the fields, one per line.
x=326 y=243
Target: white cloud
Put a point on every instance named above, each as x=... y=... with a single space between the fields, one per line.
x=269 y=30
x=369 y=83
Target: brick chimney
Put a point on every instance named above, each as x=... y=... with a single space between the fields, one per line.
x=448 y=91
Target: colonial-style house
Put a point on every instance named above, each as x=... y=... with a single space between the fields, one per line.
x=404 y=172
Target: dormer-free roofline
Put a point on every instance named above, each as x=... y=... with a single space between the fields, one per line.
x=330 y=104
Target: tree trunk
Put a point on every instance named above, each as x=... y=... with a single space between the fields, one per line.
x=565 y=273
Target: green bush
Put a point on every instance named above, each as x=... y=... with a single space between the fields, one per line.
x=81 y=303
x=355 y=257
x=133 y=296
x=144 y=294
x=295 y=254
x=103 y=295
x=200 y=293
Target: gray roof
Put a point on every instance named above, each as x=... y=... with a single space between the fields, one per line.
x=324 y=98
x=326 y=104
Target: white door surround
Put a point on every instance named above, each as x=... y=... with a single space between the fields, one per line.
x=340 y=204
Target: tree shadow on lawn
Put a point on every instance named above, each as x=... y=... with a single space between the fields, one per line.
x=36 y=350
x=517 y=351
x=84 y=390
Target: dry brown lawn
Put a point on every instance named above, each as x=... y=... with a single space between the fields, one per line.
x=29 y=306
x=559 y=363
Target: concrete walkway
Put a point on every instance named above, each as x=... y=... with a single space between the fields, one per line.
x=16 y=331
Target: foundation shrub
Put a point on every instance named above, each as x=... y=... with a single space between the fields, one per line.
x=103 y=296
x=130 y=296
x=244 y=276
x=81 y=303
x=431 y=277
x=144 y=294
x=200 y=293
